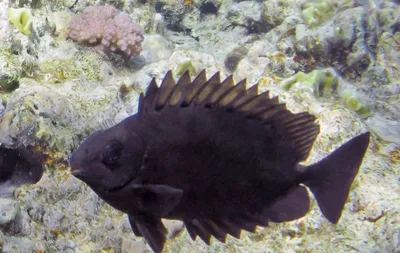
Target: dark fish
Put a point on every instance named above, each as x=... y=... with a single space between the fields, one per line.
x=217 y=156
x=19 y=166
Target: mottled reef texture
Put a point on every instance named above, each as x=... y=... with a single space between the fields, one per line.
x=339 y=60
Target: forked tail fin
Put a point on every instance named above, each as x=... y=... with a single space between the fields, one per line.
x=330 y=179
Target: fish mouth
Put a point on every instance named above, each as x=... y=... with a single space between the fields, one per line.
x=118 y=188
x=76 y=173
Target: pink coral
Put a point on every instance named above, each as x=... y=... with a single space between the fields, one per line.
x=108 y=30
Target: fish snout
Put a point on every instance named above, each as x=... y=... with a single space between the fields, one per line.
x=77 y=173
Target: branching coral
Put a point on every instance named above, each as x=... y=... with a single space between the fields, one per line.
x=108 y=30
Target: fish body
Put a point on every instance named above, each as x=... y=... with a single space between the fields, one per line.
x=218 y=156
x=19 y=166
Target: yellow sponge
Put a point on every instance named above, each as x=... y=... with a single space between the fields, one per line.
x=21 y=19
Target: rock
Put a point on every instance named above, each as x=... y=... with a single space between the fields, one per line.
x=274 y=12
x=155 y=48
x=8 y=210
x=5 y=32
x=10 y=71
x=195 y=61
x=18 y=244
x=174 y=227
x=386 y=129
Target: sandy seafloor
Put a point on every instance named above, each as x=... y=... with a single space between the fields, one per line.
x=339 y=60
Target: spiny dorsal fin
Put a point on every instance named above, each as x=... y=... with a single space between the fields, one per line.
x=219 y=90
x=176 y=95
x=193 y=88
x=293 y=133
x=147 y=101
x=167 y=85
x=141 y=101
x=248 y=96
x=237 y=91
x=207 y=88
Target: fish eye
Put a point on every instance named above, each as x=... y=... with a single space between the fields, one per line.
x=111 y=154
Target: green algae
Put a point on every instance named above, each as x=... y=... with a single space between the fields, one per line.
x=352 y=101
x=184 y=66
x=22 y=19
x=314 y=13
x=322 y=82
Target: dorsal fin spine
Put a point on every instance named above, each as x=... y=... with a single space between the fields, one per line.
x=253 y=101
x=220 y=90
x=167 y=85
x=182 y=83
x=227 y=93
x=149 y=96
x=199 y=99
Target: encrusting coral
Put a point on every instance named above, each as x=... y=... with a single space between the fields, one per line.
x=108 y=30
x=352 y=101
x=314 y=13
x=321 y=81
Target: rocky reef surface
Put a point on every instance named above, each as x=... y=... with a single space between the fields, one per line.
x=339 y=60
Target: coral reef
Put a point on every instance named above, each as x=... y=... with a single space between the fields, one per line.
x=108 y=30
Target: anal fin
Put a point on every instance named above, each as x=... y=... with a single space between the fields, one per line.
x=219 y=227
x=205 y=228
x=294 y=205
x=198 y=227
x=229 y=227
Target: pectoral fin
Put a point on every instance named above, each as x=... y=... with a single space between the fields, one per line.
x=157 y=200
x=151 y=228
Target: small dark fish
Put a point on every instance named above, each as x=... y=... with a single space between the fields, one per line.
x=19 y=166
x=217 y=156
